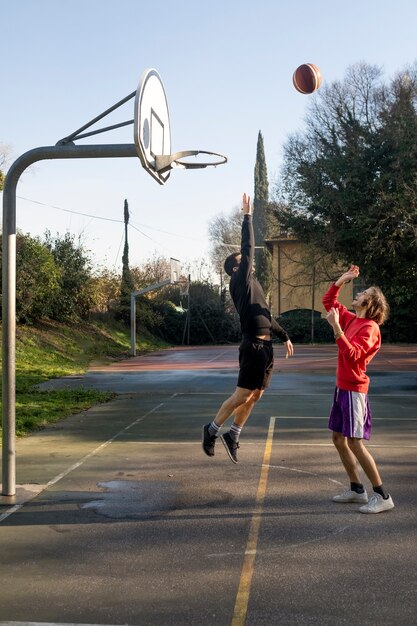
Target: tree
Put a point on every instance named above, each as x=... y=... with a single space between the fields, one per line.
x=263 y=260
x=127 y=284
x=37 y=279
x=349 y=182
x=75 y=296
x=153 y=270
x=4 y=157
x=105 y=289
x=210 y=322
x=224 y=234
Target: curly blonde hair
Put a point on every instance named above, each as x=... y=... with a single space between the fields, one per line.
x=377 y=307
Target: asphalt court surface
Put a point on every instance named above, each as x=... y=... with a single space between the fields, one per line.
x=121 y=519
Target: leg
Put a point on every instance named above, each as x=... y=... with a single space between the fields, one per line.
x=356 y=492
x=347 y=457
x=366 y=461
x=255 y=368
x=242 y=413
x=238 y=399
x=236 y=402
x=230 y=440
x=381 y=500
x=256 y=361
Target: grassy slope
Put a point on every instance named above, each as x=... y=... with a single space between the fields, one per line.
x=50 y=350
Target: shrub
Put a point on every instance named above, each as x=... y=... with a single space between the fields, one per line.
x=298 y=324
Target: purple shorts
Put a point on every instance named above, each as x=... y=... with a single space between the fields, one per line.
x=350 y=414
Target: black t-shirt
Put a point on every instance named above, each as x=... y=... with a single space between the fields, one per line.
x=247 y=293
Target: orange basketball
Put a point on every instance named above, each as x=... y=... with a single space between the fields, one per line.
x=307 y=78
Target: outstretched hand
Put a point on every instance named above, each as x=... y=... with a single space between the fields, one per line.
x=246 y=205
x=352 y=272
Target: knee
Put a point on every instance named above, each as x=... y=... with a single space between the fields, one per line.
x=354 y=444
x=240 y=398
x=338 y=439
x=257 y=395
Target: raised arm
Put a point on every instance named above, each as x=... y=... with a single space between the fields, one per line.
x=247 y=249
x=330 y=297
x=338 y=315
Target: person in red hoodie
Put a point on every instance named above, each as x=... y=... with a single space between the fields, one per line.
x=358 y=339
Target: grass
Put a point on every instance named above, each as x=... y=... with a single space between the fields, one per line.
x=50 y=350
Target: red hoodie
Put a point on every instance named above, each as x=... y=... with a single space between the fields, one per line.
x=359 y=344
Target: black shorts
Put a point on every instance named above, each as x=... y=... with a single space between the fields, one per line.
x=256 y=360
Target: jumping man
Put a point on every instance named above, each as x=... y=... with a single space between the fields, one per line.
x=256 y=357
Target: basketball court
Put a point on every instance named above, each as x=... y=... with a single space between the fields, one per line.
x=120 y=518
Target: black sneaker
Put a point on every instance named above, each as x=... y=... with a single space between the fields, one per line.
x=208 y=441
x=231 y=446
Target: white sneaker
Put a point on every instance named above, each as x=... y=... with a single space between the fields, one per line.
x=377 y=504
x=351 y=496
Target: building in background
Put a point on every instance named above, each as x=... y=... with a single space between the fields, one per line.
x=301 y=276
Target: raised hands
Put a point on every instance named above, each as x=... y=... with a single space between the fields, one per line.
x=352 y=272
x=246 y=205
x=333 y=317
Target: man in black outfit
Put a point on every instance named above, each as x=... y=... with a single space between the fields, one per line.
x=256 y=357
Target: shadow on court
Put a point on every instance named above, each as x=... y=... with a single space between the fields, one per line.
x=120 y=518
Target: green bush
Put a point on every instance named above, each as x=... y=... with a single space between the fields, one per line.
x=298 y=325
x=169 y=322
x=37 y=279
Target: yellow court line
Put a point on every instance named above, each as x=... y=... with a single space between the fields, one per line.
x=242 y=598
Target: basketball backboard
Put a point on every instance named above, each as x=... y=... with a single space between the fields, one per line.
x=175 y=270
x=152 y=133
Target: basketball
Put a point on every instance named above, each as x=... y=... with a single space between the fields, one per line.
x=307 y=78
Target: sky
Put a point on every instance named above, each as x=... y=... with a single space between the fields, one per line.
x=226 y=66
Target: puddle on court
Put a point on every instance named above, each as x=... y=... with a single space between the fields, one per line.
x=130 y=499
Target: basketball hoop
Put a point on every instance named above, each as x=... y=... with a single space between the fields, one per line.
x=184 y=286
x=164 y=163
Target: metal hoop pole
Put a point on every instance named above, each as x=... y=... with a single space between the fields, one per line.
x=9 y=284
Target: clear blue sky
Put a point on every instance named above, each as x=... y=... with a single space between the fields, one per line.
x=226 y=66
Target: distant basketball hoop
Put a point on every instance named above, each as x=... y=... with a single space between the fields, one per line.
x=175 y=271
x=174 y=277
x=184 y=286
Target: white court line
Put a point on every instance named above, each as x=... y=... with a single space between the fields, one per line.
x=218 y=356
x=53 y=481
x=331 y=445
x=300 y=471
x=47 y=624
x=326 y=417
x=281 y=548
x=291 y=394
x=256 y=443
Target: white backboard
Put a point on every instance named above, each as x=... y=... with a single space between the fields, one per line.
x=175 y=270
x=152 y=132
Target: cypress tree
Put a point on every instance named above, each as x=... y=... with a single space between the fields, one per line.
x=127 y=284
x=263 y=261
